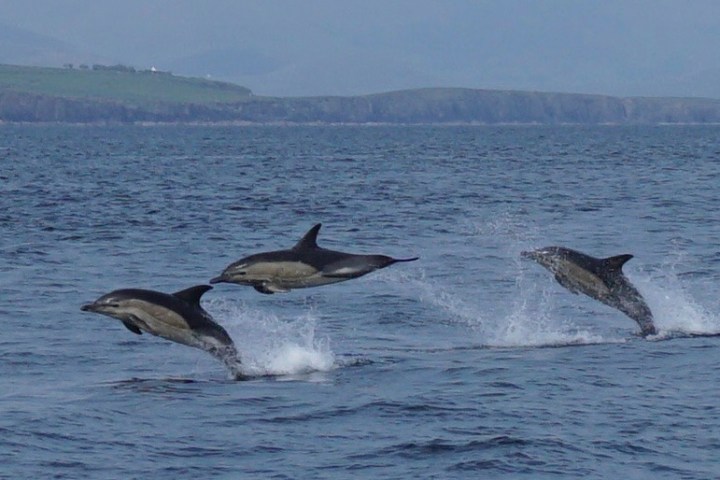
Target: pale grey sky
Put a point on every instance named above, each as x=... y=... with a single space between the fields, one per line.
x=347 y=47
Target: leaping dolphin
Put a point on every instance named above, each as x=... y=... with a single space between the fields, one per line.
x=304 y=265
x=601 y=279
x=177 y=317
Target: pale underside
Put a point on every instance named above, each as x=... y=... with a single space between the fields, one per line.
x=166 y=323
x=283 y=276
x=578 y=279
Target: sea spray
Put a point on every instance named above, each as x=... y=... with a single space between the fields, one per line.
x=528 y=320
x=675 y=308
x=269 y=345
x=486 y=290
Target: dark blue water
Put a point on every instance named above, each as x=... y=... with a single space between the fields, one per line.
x=470 y=363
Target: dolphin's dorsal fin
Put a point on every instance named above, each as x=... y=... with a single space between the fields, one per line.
x=615 y=264
x=309 y=241
x=192 y=295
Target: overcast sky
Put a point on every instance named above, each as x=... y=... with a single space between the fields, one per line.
x=347 y=47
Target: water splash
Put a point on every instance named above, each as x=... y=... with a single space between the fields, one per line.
x=505 y=226
x=534 y=318
x=526 y=321
x=526 y=314
x=269 y=345
x=532 y=323
x=675 y=309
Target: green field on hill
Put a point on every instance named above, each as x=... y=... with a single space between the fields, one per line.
x=123 y=85
x=121 y=94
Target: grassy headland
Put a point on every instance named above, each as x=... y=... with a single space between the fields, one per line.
x=118 y=84
x=123 y=95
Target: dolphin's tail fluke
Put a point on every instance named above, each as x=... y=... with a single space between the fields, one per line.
x=647 y=326
x=628 y=300
x=228 y=355
x=235 y=368
x=634 y=306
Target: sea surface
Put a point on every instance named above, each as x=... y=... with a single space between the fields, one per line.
x=469 y=363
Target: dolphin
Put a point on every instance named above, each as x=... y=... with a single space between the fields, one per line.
x=304 y=265
x=598 y=278
x=177 y=317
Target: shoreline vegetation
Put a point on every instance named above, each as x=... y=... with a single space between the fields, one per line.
x=122 y=95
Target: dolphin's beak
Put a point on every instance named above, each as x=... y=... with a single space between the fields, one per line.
x=88 y=307
x=533 y=255
x=219 y=279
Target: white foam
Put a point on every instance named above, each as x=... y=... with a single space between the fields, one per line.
x=269 y=345
x=674 y=307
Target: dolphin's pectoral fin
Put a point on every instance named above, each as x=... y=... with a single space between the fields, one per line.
x=562 y=281
x=263 y=289
x=269 y=288
x=133 y=328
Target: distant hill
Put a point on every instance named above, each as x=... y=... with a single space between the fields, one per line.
x=22 y=46
x=120 y=94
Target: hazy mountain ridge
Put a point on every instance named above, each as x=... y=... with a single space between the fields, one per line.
x=119 y=96
x=20 y=46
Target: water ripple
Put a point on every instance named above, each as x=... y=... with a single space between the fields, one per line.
x=469 y=362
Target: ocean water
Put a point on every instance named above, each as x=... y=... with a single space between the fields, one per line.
x=469 y=363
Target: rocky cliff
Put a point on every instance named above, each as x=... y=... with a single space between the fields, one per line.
x=425 y=106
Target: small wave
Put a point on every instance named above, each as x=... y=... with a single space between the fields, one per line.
x=437 y=446
x=354 y=362
x=164 y=386
x=674 y=334
x=271 y=346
